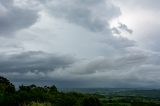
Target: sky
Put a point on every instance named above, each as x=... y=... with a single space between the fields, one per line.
x=81 y=43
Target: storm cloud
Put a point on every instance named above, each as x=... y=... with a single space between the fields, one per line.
x=14 y=18
x=72 y=43
x=33 y=60
x=90 y=14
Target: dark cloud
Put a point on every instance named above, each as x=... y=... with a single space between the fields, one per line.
x=131 y=70
x=104 y=64
x=32 y=61
x=125 y=28
x=121 y=28
x=13 y=18
x=91 y=14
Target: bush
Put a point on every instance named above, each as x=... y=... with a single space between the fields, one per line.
x=39 y=104
x=90 y=101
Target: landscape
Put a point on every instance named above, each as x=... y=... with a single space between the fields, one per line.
x=79 y=53
x=33 y=95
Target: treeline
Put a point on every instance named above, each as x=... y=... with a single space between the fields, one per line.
x=42 y=96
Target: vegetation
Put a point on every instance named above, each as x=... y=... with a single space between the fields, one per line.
x=41 y=96
x=49 y=96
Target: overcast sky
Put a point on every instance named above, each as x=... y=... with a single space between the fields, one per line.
x=81 y=43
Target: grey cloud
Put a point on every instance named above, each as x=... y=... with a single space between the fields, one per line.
x=132 y=70
x=125 y=28
x=116 y=31
x=13 y=18
x=117 y=45
x=120 y=28
x=91 y=14
x=151 y=38
x=32 y=60
x=104 y=64
x=107 y=62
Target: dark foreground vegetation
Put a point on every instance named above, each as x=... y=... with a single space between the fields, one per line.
x=49 y=96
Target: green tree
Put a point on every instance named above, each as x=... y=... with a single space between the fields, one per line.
x=7 y=93
x=6 y=86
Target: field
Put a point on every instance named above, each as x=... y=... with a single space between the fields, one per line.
x=122 y=96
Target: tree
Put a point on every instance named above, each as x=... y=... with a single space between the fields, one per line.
x=90 y=101
x=6 y=86
x=53 y=88
x=7 y=93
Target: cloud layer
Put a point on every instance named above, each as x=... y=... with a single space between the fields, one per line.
x=71 y=43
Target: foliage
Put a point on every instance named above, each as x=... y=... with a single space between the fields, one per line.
x=6 y=86
x=91 y=101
